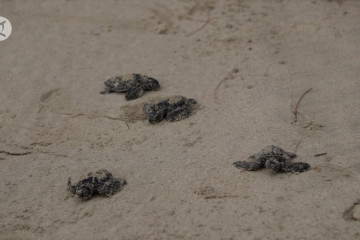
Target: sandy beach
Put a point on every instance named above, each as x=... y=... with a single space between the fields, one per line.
x=246 y=62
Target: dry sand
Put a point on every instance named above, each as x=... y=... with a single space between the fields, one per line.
x=247 y=63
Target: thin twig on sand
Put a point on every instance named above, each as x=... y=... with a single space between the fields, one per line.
x=320 y=154
x=217 y=87
x=15 y=153
x=297 y=146
x=298 y=103
x=198 y=30
x=201 y=27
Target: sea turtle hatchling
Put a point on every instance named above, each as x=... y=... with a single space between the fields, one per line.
x=101 y=182
x=275 y=159
x=174 y=108
x=133 y=84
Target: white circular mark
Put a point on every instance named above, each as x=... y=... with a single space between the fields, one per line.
x=5 y=28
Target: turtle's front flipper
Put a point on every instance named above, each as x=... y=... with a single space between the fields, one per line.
x=250 y=166
x=111 y=187
x=134 y=93
x=178 y=114
x=289 y=155
x=71 y=188
x=295 y=167
x=106 y=91
x=287 y=167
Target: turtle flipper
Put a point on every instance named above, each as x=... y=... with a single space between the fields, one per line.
x=286 y=167
x=250 y=166
x=71 y=188
x=178 y=114
x=295 y=167
x=107 y=90
x=111 y=187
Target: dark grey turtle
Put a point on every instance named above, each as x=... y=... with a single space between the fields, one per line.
x=101 y=182
x=133 y=84
x=275 y=159
x=172 y=109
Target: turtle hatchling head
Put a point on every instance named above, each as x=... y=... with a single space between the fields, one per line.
x=84 y=191
x=273 y=164
x=151 y=84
